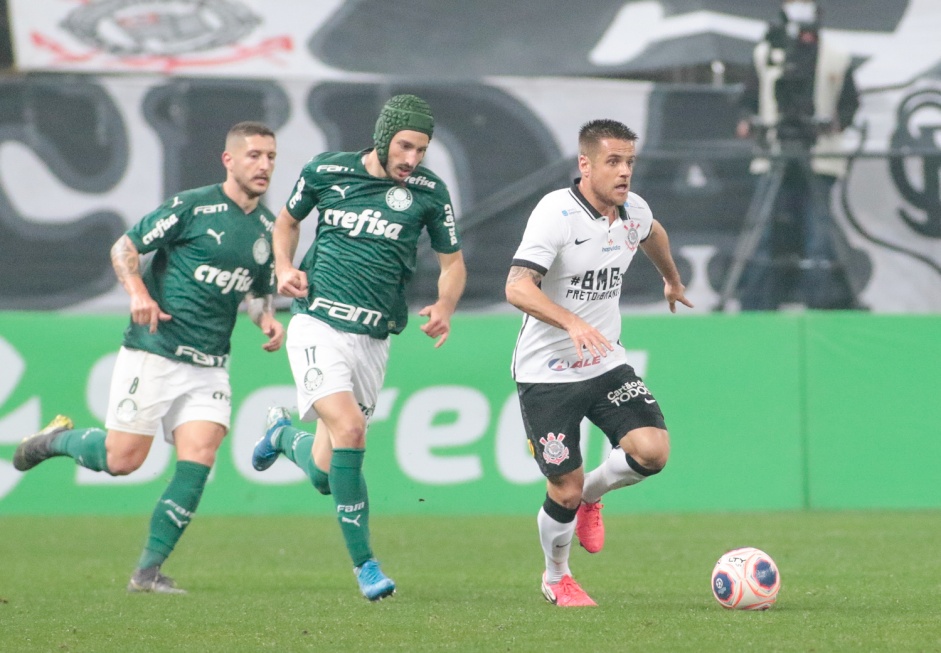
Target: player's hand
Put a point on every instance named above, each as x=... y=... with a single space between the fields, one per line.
x=675 y=293
x=275 y=332
x=438 y=324
x=292 y=283
x=145 y=311
x=587 y=338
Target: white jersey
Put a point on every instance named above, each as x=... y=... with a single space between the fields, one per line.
x=583 y=259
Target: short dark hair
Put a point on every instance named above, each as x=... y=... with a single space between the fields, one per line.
x=249 y=128
x=593 y=132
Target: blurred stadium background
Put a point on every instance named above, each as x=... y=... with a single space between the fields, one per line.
x=109 y=106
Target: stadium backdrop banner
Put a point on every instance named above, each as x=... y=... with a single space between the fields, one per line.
x=766 y=412
x=508 y=141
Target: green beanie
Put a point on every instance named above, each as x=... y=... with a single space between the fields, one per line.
x=400 y=113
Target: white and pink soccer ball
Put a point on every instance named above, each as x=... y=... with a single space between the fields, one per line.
x=746 y=579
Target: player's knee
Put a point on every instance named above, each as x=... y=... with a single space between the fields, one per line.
x=350 y=435
x=122 y=465
x=655 y=460
x=648 y=450
x=566 y=490
x=645 y=468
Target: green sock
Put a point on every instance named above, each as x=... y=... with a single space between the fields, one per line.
x=86 y=446
x=321 y=480
x=296 y=445
x=349 y=493
x=174 y=512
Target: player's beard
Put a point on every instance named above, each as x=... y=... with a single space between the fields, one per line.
x=250 y=192
x=393 y=171
x=609 y=194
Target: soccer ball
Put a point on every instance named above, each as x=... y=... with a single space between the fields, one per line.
x=746 y=579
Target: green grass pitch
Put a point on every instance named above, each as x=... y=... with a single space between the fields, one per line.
x=856 y=581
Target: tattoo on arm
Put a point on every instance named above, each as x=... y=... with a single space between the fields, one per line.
x=518 y=273
x=125 y=259
x=258 y=306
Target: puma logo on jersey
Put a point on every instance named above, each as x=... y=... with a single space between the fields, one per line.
x=176 y=202
x=369 y=221
x=341 y=191
x=218 y=236
x=354 y=521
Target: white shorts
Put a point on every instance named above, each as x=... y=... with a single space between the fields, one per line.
x=147 y=389
x=325 y=361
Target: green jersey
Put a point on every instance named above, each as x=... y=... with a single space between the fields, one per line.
x=366 y=243
x=209 y=253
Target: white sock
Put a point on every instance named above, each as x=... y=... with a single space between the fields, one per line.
x=556 y=540
x=612 y=474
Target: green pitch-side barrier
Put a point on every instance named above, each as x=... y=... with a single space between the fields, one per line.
x=765 y=411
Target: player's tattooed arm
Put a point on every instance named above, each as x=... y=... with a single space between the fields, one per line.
x=126 y=262
x=518 y=273
x=261 y=312
x=125 y=259
x=258 y=306
x=524 y=292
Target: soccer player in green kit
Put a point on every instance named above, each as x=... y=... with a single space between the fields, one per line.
x=212 y=250
x=349 y=296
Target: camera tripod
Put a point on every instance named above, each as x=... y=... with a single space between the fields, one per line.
x=759 y=219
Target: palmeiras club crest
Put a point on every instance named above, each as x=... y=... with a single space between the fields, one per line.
x=554 y=450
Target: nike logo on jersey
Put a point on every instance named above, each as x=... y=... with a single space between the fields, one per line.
x=341 y=191
x=583 y=240
x=218 y=236
x=650 y=401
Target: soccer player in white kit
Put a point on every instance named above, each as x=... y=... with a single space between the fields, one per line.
x=569 y=362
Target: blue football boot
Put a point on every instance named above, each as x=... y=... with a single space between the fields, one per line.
x=266 y=450
x=374 y=584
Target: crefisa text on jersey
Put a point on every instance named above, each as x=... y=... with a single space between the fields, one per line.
x=240 y=279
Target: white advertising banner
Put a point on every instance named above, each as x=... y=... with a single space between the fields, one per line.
x=84 y=156
x=894 y=41
x=245 y=38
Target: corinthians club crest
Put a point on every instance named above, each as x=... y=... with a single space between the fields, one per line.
x=890 y=201
x=554 y=450
x=918 y=127
x=161 y=35
x=159 y=28
x=632 y=237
